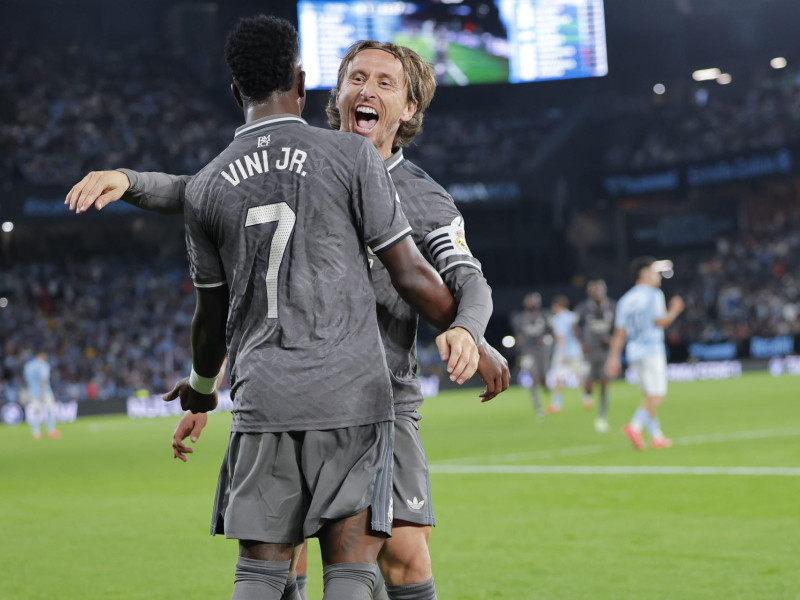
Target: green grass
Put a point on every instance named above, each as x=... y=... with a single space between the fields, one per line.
x=477 y=65
x=107 y=513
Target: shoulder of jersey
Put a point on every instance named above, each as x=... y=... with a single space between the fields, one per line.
x=422 y=181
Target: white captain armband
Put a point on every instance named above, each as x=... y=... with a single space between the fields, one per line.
x=202 y=385
x=447 y=241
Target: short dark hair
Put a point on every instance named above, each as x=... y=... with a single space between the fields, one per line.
x=262 y=53
x=640 y=263
x=561 y=301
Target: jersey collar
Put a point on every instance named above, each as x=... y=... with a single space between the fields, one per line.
x=266 y=122
x=394 y=160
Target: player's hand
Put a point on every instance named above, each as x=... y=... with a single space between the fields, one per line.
x=457 y=347
x=613 y=367
x=493 y=369
x=189 y=425
x=190 y=399
x=98 y=188
x=676 y=305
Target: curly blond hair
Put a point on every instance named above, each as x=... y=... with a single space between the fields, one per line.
x=420 y=82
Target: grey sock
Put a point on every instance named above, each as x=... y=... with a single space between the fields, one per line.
x=412 y=591
x=379 y=591
x=349 y=581
x=603 y=409
x=301 y=586
x=291 y=592
x=537 y=401
x=259 y=579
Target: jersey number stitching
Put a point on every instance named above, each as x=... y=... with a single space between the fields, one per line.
x=284 y=215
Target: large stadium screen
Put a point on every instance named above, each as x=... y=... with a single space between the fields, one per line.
x=467 y=42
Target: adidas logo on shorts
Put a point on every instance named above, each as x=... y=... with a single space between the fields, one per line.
x=415 y=504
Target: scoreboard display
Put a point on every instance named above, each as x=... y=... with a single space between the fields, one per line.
x=467 y=42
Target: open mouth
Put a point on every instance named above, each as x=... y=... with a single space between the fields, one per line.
x=366 y=118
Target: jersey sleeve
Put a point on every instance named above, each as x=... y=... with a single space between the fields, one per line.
x=661 y=305
x=375 y=201
x=474 y=298
x=446 y=243
x=157 y=192
x=205 y=263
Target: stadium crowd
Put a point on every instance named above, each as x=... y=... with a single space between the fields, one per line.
x=65 y=111
x=707 y=122
x=474 y=144
x=111 y=325
x=750 y=286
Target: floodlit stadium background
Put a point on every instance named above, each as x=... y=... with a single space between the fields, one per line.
x=689 y=149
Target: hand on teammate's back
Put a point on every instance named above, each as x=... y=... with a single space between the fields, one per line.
x=190 y=399
x=493 y=369
x=190 y=425
x=98 y=188
x=457 y=347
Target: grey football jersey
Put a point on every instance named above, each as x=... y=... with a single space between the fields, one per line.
x=530 y=330
x=283 y=216
x=438 y=230
x=595 y=324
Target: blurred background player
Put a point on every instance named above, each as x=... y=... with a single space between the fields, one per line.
x=595 y=326
x=642 y=316
x=41 y=402
x=567 y=353
x=534 y=343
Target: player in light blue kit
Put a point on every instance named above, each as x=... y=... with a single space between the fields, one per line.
x=567 y=352
x=41 y=403
x=642 y=317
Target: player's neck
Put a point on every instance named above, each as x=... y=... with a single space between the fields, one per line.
x=282 y=105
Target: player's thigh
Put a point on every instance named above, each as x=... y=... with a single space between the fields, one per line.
x=653 y=376
x=349 y=474
x=411 y=485
x=261 y=492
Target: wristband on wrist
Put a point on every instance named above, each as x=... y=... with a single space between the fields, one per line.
x=202 y=385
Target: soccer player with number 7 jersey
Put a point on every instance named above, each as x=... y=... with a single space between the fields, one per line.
x=642 y=316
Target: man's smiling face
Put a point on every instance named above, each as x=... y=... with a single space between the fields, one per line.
x=373 y=98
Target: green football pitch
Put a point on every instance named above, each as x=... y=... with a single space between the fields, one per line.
x=464 y=65
x=526 y=509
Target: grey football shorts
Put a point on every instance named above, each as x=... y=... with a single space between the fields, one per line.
x=411 y=479
x=597 y=365
x=283 y=487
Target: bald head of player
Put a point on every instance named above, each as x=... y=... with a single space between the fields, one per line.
x=382 y=93
x=263 y=55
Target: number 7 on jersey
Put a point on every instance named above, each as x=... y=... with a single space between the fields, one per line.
x=284 y=215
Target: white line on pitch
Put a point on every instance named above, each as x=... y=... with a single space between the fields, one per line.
x=606 y=470
x=713 y=438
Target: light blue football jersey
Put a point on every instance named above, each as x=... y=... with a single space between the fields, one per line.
x=34 y=372
x=637 y=312
x=563 y=325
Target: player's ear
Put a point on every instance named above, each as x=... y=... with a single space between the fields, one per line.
x=410 y=111
x=237 y=94
x=300 y=82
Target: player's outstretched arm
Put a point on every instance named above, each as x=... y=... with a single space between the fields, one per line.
x=420 y=285
x=493 y=369
x=98 y=189
x=153 y=191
